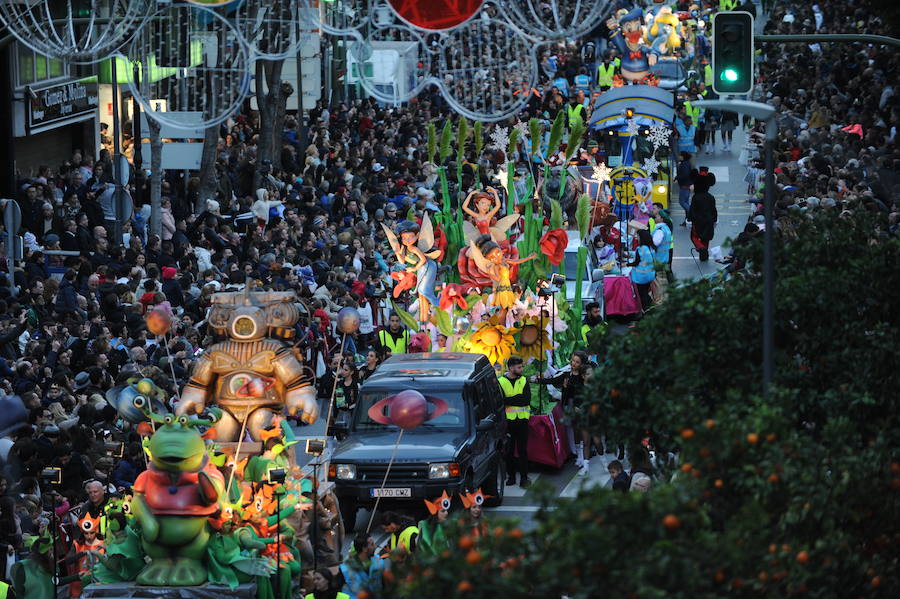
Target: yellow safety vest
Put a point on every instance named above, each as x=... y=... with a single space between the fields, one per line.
x=693 y=112
x=574 y=114
x=338 y=596
x=584 y=331
x=652 y=226
x=397 y=346
x=605 y=74
x=511 y=389
x=707 y=75
x=403 y=539
x=727 y=5
x=4 y=590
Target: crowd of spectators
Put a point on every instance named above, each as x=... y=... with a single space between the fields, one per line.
x=75 y=327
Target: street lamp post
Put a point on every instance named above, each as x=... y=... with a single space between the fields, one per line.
x=762 y=112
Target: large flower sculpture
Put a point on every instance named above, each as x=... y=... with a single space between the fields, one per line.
x=451 y=295
x=493 y=340
x=533 y=339
x=472 y=276
x=553 y=245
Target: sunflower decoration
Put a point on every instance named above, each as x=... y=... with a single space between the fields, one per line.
x=492 y=339
x=532 y=339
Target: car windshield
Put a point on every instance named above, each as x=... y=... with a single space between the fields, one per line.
x=453 y=418
x=570 y=259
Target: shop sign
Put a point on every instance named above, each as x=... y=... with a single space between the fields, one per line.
x=61 y=102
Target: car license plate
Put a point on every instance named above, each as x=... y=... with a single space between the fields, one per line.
x=404 y=492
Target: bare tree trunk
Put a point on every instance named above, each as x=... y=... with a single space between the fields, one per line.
x=156 y=147
x=208 y=180
x=280 y=110
x=268 y=103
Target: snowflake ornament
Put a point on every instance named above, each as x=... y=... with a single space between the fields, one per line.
x=499 y=138
x=601 y=173
x=651 y=165
x=632 y=127
x=523 y=129
x=659 y=136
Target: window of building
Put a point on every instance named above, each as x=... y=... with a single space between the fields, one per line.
x=37 y=68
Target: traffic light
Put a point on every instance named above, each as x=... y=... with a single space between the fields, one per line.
x=732 y=52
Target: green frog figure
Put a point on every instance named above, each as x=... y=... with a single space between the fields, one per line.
x=173 y=501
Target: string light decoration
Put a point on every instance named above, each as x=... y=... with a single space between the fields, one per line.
x=274 y=30
x=192 y=58
x=77 y=31
x=556 y=19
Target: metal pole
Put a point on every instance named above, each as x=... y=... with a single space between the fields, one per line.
x=315 y=517
x=117 y=174
x=768 y=258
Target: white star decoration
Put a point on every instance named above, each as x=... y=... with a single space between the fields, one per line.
x=632 y=127
x=651 y=165
x=601 y=173
x=500 y=138
x=659 y=136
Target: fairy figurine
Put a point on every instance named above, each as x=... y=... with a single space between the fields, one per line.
x=489 y=257
x=487 y=205
x=415 y=249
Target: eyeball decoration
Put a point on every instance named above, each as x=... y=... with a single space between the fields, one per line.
x=441 y=503
x=472 y=499
x=407 y=409
x=89 y=524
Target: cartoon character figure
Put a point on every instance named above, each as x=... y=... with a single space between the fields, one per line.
x=173 y=499
x=627 y=38
x=232 y=553
x=253 y=374
x=663 y=34
x=415 y=249
x=483 y=216
x=31 y=577
x=473 y=503
x=643 y=199
x=490 y=259
x=125 y=399
x=86 y=551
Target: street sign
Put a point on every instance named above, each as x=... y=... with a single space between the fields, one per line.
x=12 y=215
x=177 y=155
x=124 y=171
x=189 y=125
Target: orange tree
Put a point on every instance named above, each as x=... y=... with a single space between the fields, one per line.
x=792 y=495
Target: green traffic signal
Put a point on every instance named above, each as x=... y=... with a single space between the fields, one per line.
x=732 y=55
x=730 y=75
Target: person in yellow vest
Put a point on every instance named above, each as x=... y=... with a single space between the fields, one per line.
x=707 y=73
x=728 y=5
x=575 y=110
x=605 y=71
x=393 y=339
x=592 y=319
x=325 y=585
x=404 y=533
x=517 y=399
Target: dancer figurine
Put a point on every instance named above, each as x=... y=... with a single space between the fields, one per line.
x=490 y=259
x=415 y=249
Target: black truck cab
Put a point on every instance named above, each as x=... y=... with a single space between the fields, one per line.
x=460 y=450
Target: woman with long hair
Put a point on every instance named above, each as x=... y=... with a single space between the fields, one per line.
x=372 y=362
x=325 y=586
x=570 y=381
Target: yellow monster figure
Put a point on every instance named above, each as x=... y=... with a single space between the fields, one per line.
x=253 y=374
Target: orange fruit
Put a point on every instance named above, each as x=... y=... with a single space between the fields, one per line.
x=752 y=438
x=763 y=576
x=687 y=433
x=464 y=586
x=773 y=548
x=773 y=478
x=719 y=577
x=719 y=483
x=705 y=452
x=695 y=474
x=595 y=409
x=671 y=522
x=473 y=557
x=466 y=543
x=803 y=557
x=516 y=534
x=785 y=548
x=771 y=437
x=710 y=423
x=498 y=531
x=876 y=581
x=686 y=467
x=614 y=392
x=895 y=468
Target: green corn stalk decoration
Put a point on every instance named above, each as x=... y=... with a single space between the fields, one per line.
x=579 y=275
x=535 y=131
x=583 y=215
x=556 y=133
x=513 y=143
x=556 y=220
x=446 y=140
x=478 y=138
x=432 y=141
x=575 y=136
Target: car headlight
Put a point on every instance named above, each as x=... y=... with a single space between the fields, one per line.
x=345 y=472
x=446 y=470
